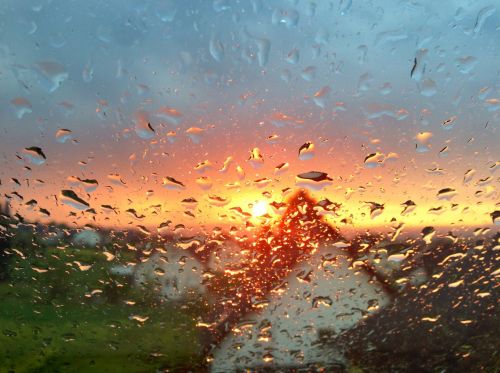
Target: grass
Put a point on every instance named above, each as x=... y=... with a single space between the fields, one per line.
x=49 y=322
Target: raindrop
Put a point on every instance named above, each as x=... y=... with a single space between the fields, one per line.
x=88 y=73
x=409 y=206
x=203 y=166
x=293 y=56
x=375 y=209
x=449 y=123
x=226 y=164
x=374 y=160
x=385 y=89
x=21 y=107
x=263 y=48
x=446 y=193
x=309 y=73
x=195 y=133
x=52 y=75
x=322 y=301
x=172 y=184
x=262 y=182
x=70 y=198
x=428 y=88
x=216 y=49
x=321 y=96
x=495 y=217
x=469 y=174
x=423 y=139
x=189 y=203
x=218 y=201
x=466 y=64
x=116 y=179
x=256 y=159
x=63 y=135
x=221 y=5
x=481 y=17
x=35 y=155
x=282 y=120
x=288 y=17
x=281 y=168
x=171 y=115
x=306 y=151
x=143 y=127
x=344 y=6
x=365 y=82
x=427 y=234
x=204 y=182
x=314 y=180
x=322 y=37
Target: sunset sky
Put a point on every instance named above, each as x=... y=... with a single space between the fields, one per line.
x=398 y=105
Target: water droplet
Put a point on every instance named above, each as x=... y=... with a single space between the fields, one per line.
x=203 y=166
x=288 y=17
x=427 y=234
x=409 y=206
x=116 y=179
x=446 y=193
x=70 y=198
x=189 y=203
x=256 y=159
x=313 y=180
x=226 y=164
x=306 y=151
x=204 y=182
x=21 y=107
x=309 y=73
x=495 y=217
x=449 y=123
x=466 y=64
x=63 y=135
x=51 y=74
x=282 y=120
x=218 y=201
x=423 y=139
x=321 y=96
x=281 y=168
x=221 y=5
x=374 y=160
x=139 y=319
x=195 y=133
x=172 y=184
x=143 y=127
x=322 y=301
x=171 y=115
x=216 y=49
x=293 y=56
x=88 y=73
x=263 y=48
x=35 y=155
x=375 y=209
x=365 y=82
x=428 y=88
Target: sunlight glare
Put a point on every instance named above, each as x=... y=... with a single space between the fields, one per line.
x=259 y=209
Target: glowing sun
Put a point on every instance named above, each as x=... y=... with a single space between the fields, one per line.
x=259 y=209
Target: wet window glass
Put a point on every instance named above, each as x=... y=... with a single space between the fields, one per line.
x=249 y=185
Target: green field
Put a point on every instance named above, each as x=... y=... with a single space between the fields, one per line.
x=68 y=320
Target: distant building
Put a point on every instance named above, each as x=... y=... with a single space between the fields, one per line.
x=87 y=238
x=175 y=274
x=324 y=295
